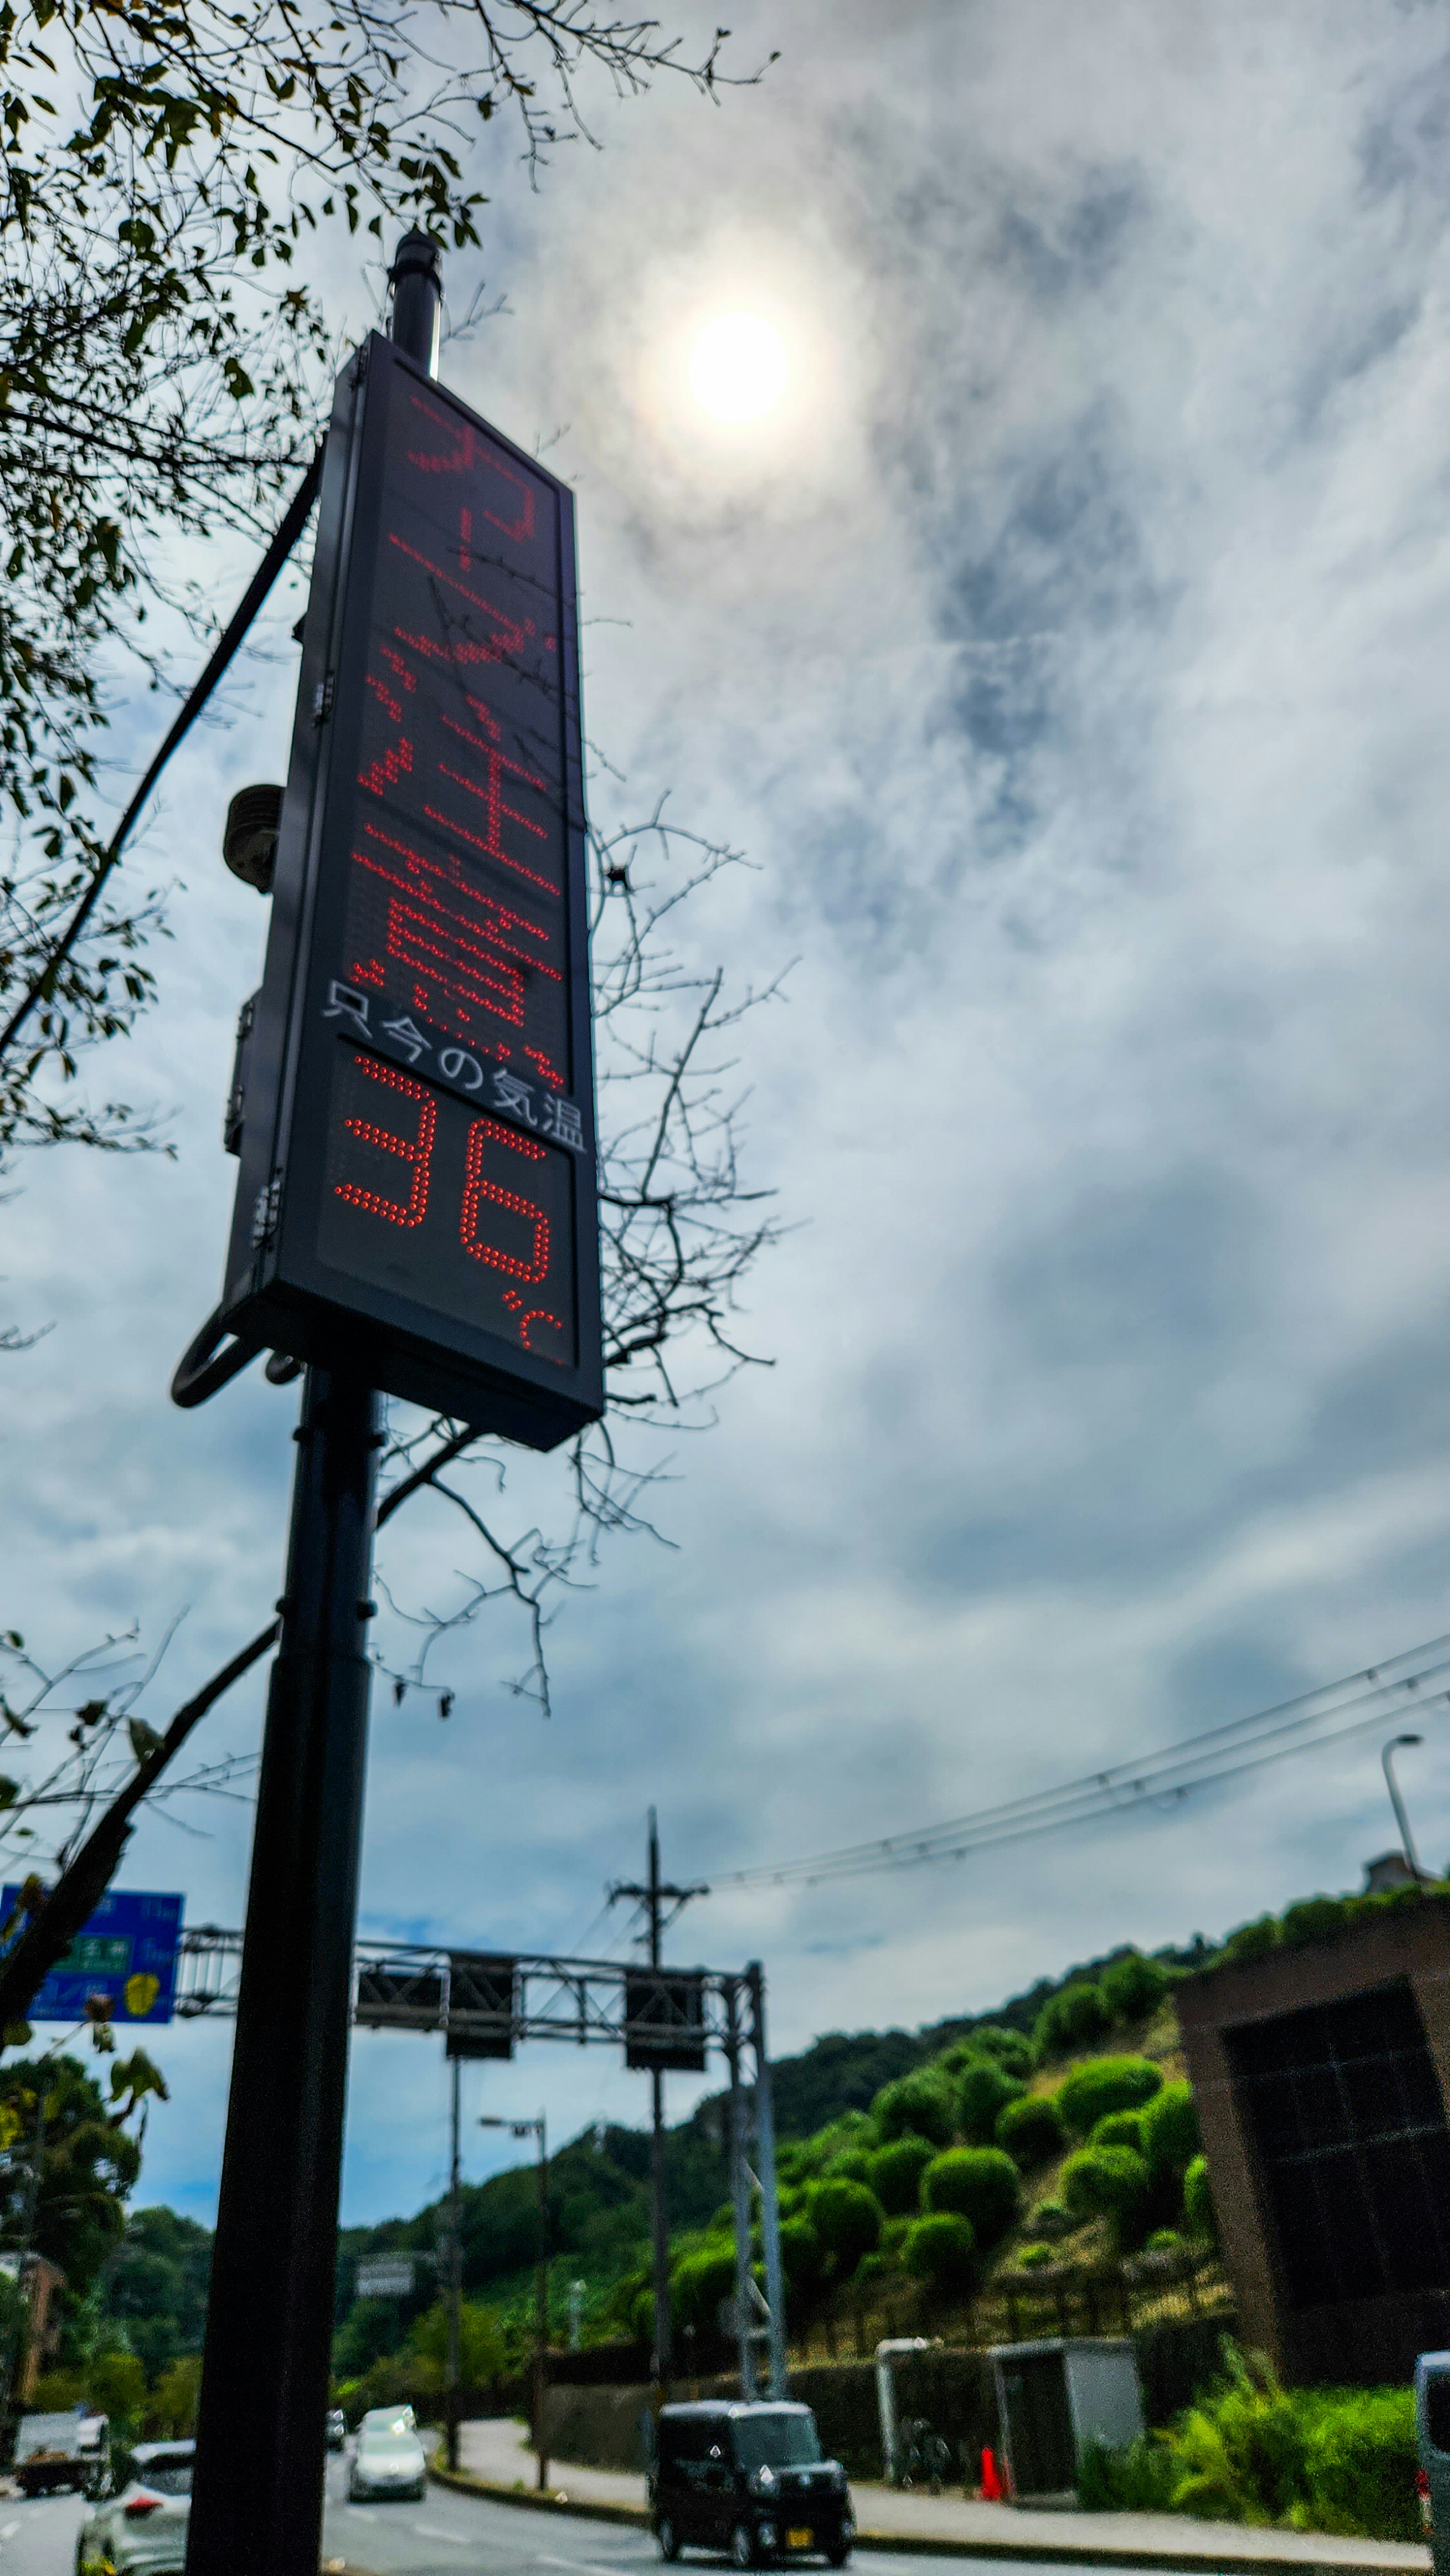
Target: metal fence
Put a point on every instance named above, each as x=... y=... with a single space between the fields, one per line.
x=1018 y=2306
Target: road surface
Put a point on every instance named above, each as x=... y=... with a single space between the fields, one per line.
x=446 y=2535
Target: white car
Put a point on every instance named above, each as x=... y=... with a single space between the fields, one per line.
x=388 y=2459
x=142 y=2531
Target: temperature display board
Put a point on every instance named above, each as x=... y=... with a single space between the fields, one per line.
x=414 y=1105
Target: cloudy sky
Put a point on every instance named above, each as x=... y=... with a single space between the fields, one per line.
x=1065 y=649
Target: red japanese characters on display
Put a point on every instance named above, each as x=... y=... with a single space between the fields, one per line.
x=454 y=923
x=455 y=910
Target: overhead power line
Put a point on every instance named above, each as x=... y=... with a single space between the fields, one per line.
x=1332 y=1714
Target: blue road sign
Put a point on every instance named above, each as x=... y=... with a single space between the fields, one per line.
x=126 y=1952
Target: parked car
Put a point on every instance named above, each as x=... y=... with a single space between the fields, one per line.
x=336 y=2428
x=143 y=2528
x=54 y=2451
x=749 y=2479
x=388 y=2459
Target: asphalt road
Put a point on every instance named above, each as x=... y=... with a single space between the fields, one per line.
x=446 y=2535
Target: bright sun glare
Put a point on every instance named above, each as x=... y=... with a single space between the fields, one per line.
x=738 y=367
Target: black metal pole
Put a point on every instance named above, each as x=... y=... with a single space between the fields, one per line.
x=416 y=277
x=257 y=2488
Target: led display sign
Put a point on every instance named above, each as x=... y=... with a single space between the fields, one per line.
x=414 y=1107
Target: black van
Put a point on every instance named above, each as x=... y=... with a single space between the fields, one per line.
x=748 y=2479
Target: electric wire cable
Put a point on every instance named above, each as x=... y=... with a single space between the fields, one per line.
x=1226 y=1751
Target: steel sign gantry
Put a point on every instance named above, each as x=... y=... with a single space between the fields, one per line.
x=485 y=2003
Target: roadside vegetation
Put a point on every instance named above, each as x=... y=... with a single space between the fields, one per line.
x=1302 y=2459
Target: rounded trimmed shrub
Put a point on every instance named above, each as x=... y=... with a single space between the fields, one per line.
x=1031 y=2130
x=803 y=2256
x=847 y=2219
x=853 y=2165
x=941 y=2251
x=1012 y=2049
x=1107 y=2182
x=919 y=2106
x=1169 y=2130
x=979 y=2183
x=1134 y=1986
x=1070 y=2020
x=1106 y=2084
x=1119 y=2129
x=894 y=2174
x=983 y=2091
x=1252 y=1939
x=1198 y=2200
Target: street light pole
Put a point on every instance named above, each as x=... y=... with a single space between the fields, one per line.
x=1397 y=1802
x=537 y=2129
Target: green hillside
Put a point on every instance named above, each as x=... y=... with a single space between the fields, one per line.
x=915 y=2166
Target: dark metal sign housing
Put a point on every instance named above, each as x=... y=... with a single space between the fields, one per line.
x=417 y=1195
x=664 y=2019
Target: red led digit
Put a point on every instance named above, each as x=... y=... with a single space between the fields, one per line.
x=511 y=638
x=467 y=455
x=476 y=1187
x=418 y=1151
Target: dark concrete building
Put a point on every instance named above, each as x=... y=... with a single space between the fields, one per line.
x=1322 y=2076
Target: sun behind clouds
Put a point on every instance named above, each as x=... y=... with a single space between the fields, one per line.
x=738 y=367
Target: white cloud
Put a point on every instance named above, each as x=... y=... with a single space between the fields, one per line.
x=1068 y=658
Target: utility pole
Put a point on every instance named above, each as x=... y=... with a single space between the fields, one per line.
x=256 y=2506
x=455 y=2280
x=537 y=2129
x=654 y=1896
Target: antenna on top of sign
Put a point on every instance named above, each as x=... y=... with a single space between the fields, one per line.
x=416 y=278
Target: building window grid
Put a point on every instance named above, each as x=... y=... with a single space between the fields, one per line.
x=1354 y=2144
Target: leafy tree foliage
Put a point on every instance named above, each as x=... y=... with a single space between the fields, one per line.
x=700 y=2280
x=169 y=168
x=1134 y=1986
x=481 y=2348
x=88 y=2157
x=156 y=2286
